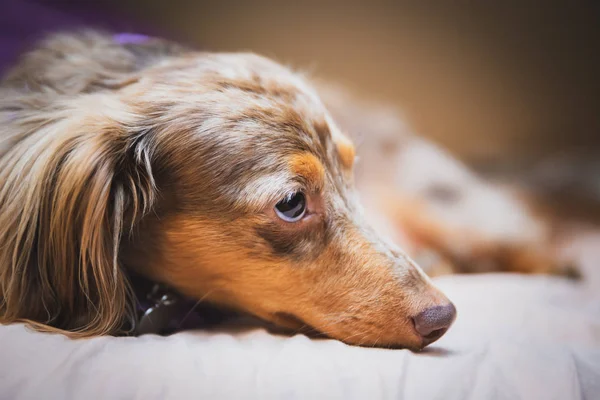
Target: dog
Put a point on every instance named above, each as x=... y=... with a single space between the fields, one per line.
x=231 y=179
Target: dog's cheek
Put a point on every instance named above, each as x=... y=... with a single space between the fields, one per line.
x=225 y=263
x=339 y=293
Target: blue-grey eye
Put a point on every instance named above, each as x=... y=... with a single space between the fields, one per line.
x=292 y=208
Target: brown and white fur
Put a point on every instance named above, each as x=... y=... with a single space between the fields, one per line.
x=168 y=162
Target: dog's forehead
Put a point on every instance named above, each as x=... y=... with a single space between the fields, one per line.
x=248 y=91
x=263 y=83
x=259 y=96
x=265 y=123
x=249 y=67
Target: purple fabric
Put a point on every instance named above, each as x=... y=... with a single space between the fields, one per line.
x=23 y=21
x=130 y=38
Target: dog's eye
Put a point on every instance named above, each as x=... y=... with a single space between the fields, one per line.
x=291 y=209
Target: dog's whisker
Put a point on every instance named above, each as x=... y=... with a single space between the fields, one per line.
x=186 y=316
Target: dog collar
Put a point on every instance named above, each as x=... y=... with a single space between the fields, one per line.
x=159 y=311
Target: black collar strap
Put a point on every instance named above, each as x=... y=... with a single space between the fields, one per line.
x=161 y=310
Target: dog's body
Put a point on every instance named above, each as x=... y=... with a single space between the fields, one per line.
x=444 y=215
x=228 y=178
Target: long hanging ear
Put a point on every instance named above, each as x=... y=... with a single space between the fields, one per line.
x=70 y=179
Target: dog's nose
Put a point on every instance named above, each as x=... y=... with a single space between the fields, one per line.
x=434 y=321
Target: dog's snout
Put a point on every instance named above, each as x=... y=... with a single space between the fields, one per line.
x=433 y=322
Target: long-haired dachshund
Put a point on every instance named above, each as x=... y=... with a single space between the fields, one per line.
x=226 y=177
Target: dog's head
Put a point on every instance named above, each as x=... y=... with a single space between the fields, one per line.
x=221 y=175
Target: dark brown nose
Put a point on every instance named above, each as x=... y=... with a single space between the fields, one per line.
x=432 y=323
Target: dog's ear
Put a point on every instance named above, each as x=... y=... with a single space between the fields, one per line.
x=72 y=181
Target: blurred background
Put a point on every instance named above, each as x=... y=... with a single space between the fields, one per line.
x=489 y=81
x=511 y=89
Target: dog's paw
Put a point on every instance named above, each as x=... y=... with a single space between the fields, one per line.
x=536 y=260
x=569 y=270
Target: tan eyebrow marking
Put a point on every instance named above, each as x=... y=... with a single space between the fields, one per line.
x=309 y=167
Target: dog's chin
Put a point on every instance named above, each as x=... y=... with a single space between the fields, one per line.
x=287 y=323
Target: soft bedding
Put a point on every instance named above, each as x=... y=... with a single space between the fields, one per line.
x=529 y=337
